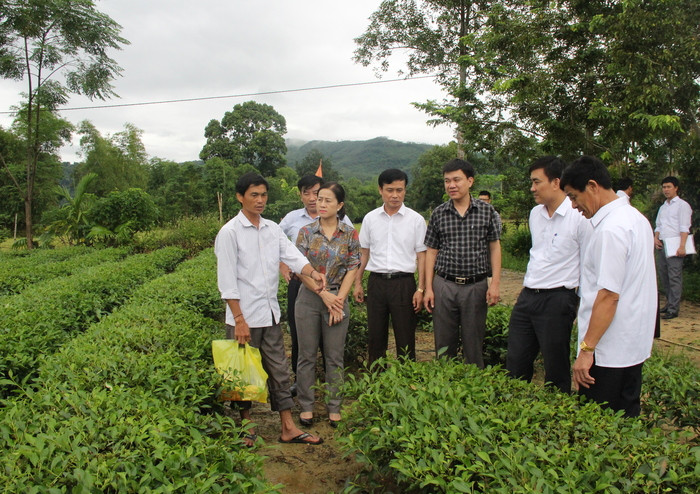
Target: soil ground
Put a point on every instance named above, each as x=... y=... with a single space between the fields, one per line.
x=324 y=468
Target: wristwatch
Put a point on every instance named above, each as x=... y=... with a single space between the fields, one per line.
x=585 y=348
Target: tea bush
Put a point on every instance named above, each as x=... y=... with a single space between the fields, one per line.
x=35 y=323
x=193 y=233
x=120 y=407
x=670 y=392
x=443 y=426
x=496 y=337
x=16 y=276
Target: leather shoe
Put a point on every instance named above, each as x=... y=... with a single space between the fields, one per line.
x=669 y=315
x=664 y=310
x=306 y=422
x=293 y=389
x=333 y=423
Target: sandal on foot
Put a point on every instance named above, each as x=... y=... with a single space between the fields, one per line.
x=252 y=438
x=301 y=439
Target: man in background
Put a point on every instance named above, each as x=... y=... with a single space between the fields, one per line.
x=624 y=188
x=617 y=313
x=672 y=228
x=391 y=241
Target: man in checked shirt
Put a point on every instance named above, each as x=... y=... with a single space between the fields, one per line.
x=463 y=241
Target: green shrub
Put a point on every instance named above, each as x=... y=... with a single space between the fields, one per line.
x=670 y=391
x=517 y=242
x=443 y=426
x=16 y=276
x=357 y=338
x=193 y=233
x=36 y=322
x=496 y=337
x=119 y=408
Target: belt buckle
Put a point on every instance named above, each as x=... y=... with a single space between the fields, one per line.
x=460 y=280
x=390 y=276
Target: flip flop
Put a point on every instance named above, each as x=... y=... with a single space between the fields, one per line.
x=252 y=438
x=300 y=439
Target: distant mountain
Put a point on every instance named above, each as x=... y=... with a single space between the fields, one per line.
x=361 y=159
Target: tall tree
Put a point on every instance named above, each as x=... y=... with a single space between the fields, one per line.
x=119 y=160
x=59 y=47
x=434 y=36
x=252 y=133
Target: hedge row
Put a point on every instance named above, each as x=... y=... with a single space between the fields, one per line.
x=36 y=322
x=443 y=426
x=19 y=256
x=120 y=408
x=15 y=277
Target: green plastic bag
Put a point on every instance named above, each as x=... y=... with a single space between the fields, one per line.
x=244 y=362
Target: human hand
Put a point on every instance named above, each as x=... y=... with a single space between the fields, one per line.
x=359 y=293
x=286 y=272
x=582 y=367
x=493 y=294
x=417 y=301
x=658 y=243
x=242 y=331
x=320 y=280
x=429 y=300
x=335 y=316
x=681 y=251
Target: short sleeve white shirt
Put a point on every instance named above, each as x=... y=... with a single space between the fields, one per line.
x=295 y=220
x=558 y=243
x=673 y=218
x=248 y=267
x=620 y=258
x=393 y=241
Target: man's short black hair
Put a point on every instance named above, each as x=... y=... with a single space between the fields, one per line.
x=458 y=164
x=392 y=175
x=580 y=172
x=308 y=181
x=623 y=183
x=551 y=165
x=248 y=179
x=671 y=180
x=485 y=193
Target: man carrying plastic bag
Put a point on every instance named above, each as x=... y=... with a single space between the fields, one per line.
x=249 y=249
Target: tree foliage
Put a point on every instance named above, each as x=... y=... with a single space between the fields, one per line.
x=309 y=164
x=120 y=160
x=252 y=133
x=58 y=47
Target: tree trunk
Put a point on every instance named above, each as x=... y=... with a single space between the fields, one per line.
x=28 y=222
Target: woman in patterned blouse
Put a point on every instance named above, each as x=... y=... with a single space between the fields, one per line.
x=332 y=248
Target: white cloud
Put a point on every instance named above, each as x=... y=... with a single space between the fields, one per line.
x=183 y=49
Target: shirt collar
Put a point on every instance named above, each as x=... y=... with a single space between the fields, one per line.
x=315 y=227
x=600 y=215
x=246 y=222
x=401 y=211
x=672 y=200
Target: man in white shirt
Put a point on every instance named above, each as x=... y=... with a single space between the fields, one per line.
x=672 y=222
x=308 y=187
x=617 y=314
x=546 y=308
x=391 y=241
x=249 y=249
x=624 y=188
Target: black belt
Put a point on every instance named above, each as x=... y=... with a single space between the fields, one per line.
x=391 y=276
x=463 y=280
x=549 y=290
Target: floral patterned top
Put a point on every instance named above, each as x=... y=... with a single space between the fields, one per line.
x=334 y=257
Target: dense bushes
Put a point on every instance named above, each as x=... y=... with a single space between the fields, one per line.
x=119 y=409
x=36 y=322
x=443 y=426
x=24 y=271
x=193 y=233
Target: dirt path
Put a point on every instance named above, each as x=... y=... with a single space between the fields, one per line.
x=323 y=469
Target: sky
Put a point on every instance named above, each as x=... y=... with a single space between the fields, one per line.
x=183 y=49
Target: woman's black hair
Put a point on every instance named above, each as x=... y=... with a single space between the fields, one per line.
x=339 y=193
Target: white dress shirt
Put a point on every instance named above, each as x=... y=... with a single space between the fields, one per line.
x=293 y=221
x=248 y=267
x=620 y=258
x=673 y=218
x=557 y=246
x=393 y=241
x=623 y=195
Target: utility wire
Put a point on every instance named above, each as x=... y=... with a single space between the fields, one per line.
x=242 y=95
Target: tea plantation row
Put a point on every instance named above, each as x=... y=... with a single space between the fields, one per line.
x=127 y=405
x=37 y=321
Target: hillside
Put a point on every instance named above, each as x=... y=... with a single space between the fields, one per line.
x=361 y=159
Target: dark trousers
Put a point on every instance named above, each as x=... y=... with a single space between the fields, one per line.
x=393 y=297
x=542 y=321
x=616 y=388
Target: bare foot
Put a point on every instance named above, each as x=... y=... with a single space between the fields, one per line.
x=295 y=435
x=335 y=417
x=250 y=438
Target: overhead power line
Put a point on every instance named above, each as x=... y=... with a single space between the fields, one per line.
x=241 y=95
